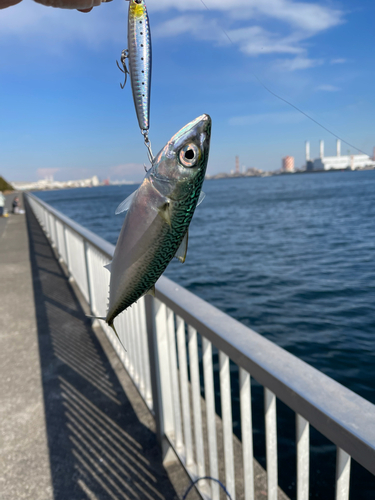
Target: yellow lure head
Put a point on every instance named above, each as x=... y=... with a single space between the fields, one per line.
x=137 y=8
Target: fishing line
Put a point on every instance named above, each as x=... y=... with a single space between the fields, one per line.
x=285 y=100
x=211 y=479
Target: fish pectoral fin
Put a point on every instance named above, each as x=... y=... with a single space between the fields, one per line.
x=202 y=196
x=165 y=213
x=125 y=205
x=109 y=266
x=182 y=249
x=150 y=292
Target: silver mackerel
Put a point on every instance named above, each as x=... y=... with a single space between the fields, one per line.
x=156 y=225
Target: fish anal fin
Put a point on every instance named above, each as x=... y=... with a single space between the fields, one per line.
x=150 y=292
x=182 y=249
x=109 y=266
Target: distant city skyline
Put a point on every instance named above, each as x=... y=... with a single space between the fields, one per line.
x=64 y=114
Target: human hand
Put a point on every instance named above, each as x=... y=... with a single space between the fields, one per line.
x=81 y=5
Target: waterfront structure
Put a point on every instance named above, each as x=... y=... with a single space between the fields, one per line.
x=50 y=183
x=288 y=164
x=237 y=165
x=163 y=330
x=338 y=162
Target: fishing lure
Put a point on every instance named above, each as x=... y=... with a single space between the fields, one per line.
x=139 y=54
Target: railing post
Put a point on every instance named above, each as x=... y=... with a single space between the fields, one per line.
x=66 y=251
x=226 y=411
x=247 y=434
x=157 y=339
x=271 y=443
x=342 y=474
x=88 y=278
x=303 y=457
x=57 y=239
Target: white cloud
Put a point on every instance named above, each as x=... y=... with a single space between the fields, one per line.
x=255 y=40
x=307 y=16
x=42 y=173
x=328 y=88
x=297 y=63
x=340 y=60
x=128 y=171
x=268 y=118
x=299 y=21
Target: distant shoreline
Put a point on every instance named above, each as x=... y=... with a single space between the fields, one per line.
x=276 y=174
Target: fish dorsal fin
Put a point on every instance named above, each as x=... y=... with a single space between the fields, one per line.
x=182 y=249
x=125 y=205
x=165 y=213
x=202 y=196
x=109 y=266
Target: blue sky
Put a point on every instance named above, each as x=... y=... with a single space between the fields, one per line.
x=63 y=112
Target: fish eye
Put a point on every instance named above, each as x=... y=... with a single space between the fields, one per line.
x=189 y=155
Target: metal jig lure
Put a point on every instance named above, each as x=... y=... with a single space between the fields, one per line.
x=139 y=54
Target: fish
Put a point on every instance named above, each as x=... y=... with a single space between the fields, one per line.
x=159 y=212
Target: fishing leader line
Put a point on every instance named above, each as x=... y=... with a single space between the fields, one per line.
x=285 y=100
x=210 y=479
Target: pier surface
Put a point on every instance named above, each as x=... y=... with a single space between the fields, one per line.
x=72 y=424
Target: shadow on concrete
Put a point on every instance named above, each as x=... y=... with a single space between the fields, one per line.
x=98 y=448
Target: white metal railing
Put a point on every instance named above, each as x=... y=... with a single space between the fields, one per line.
x=161 y=336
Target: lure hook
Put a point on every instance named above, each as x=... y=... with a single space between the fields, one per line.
x=124 y=56
x=148 y=145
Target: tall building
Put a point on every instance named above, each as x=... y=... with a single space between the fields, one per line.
x=237 y=165
x=288 y=164
x=338 y=162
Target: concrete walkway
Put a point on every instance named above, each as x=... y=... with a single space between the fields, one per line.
x=72 y=425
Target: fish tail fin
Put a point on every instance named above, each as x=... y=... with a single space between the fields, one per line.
x=111 y=324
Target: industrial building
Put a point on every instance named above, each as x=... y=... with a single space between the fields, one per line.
x=288 y=164
x=338 y=162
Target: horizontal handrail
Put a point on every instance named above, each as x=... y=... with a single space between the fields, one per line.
x=342 y=416
x=97 y=241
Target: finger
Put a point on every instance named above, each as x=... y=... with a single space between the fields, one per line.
x=70 y=4
x=85 y=10
x=8 y=3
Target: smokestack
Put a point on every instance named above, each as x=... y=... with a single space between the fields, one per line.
x=322 y=149
x=308 y=151
x=338 y=147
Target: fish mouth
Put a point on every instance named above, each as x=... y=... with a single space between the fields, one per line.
x=200 y=124
x=202 y=121
x=198 y=128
